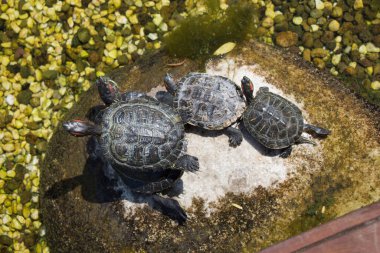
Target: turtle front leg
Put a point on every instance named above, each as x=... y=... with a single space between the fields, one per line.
x=187 y=163
x=235 y=136
x=319 y=131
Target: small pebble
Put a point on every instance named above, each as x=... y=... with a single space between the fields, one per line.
x=297 y=20
x=2 y=198
x=314 y=28
x=83 y=35
x=122 y=20
x=336 y=59
x=133 y=19
x=35 y=87
x=371 y=48
x=157 y=19
x=10 y=99
x=50 y=74
x=375 y=85
x=267 y=22
x=307 y=55
x=319 y=4
x=286 y=39
x=152 y=36
x=319 y=63
x=363 y=49
x=358 y=4
x=337 y=12
x=334 y=25
x=334 y=71
x=16 y=224
x=319 y=52
x=11 y=173
x=113 y=54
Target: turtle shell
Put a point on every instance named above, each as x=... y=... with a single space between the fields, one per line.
x=142 y=135
x=213 y=102
x=273 y=120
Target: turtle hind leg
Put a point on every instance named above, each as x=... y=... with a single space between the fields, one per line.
x=170 y=208
x=235 y=136
x=187 y=163
x=303 y=140
x=286 y=152
x=318 y=131
x=166 y=184
x=154 y=187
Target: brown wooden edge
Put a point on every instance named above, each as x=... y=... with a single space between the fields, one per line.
x=329 y=231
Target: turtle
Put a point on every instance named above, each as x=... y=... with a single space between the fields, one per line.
x=142 y=139
x=208 y=101
x=274 y=121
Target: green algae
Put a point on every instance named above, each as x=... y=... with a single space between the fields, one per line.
x=320 y=209
x=199 y=36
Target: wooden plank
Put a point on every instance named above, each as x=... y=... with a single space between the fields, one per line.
x=358 y=230
x=360 y=240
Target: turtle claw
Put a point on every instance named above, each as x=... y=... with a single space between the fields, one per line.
x=188 y=163
x=193 y=164
x=235 y=136
x=235 y=140
x=286 y=152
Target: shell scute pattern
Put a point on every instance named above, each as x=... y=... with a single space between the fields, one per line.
x=214 y=102
x=274 y=121
x=144 y=135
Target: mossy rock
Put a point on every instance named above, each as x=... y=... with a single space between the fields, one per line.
x=83 y=213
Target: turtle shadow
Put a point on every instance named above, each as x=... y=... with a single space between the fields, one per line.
x=203 y=132
x=99 y=185
x=264 y=151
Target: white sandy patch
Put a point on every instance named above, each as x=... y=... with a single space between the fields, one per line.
x=225 y=169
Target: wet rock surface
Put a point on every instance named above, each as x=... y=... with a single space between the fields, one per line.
x=82 y=211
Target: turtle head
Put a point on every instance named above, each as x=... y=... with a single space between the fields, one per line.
x=170 y=84
x=79 y=128
x=108 y=90
x=247 y=87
